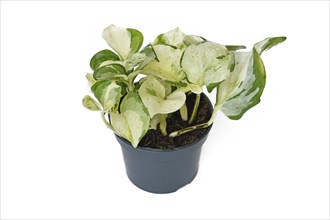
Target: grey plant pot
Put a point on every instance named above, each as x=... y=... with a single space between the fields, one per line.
x=162 y=171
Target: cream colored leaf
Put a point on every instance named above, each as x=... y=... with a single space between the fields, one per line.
x=152 y=93
x=167 y=66
x=206 y=63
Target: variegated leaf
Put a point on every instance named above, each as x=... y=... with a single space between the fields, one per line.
x=132 y=123
x=110 y=72
x=268 y=43
x=243 y=88
x=102 y=56
x=166 y=65
x=206 y=63
x=125 y=41
x=91 y=104
x=173 y=38
x=153 y=95
x=108 y=93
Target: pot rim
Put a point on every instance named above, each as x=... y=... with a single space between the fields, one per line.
x=165 y=150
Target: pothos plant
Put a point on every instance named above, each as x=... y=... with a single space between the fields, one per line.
x=169 y=68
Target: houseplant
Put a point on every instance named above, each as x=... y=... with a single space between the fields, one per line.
x=152 y=98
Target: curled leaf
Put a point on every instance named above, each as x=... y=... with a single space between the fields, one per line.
x=108 y=93
x=102 y=56
x=91 y=104
x=110 y=72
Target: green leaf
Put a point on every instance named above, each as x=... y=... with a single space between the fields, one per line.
x=206 y=63
x=212 y=86
x=153 y=95
x=102 y=56
x=90 y=103
x=235 y=47
x=167 y=66
x=268 y=43
x=136 y=40
x=125 y=41
x=133 y=121
x=108 y=93
x=110 y=72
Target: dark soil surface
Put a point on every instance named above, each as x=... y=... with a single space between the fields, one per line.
x=154 y=138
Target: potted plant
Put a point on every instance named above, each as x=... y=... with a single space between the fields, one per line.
x=152 y=98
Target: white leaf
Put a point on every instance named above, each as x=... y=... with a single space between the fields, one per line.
x=174 y=38
x=206 y=63
x=125 y=41
x=153 y=95
x=230 y=86
x=119 y=39
x=167 y=66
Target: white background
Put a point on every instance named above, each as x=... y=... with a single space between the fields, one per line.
x=58 y=160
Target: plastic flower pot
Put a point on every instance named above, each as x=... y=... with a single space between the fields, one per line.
x=162 y=171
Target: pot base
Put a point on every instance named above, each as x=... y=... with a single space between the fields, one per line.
x=161 y=191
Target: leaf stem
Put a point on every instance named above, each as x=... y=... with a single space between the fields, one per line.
x=106 y=122
x=196 y=105
x=163 y=124
x=184 y=112
x=199 y=126
x=131 y=78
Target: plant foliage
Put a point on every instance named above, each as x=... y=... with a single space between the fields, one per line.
x=173 y=65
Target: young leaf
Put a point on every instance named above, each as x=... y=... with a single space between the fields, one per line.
x=153 y=95
x=101 y=56
x=133 y=121
x=268 y=43
x=192 y=39
x=90 y=103
x=90 y=78
x=167 y=65
x=206 y=63
x=125 y=41
x=110 y=72
x=174 y=38
x=108 y=93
